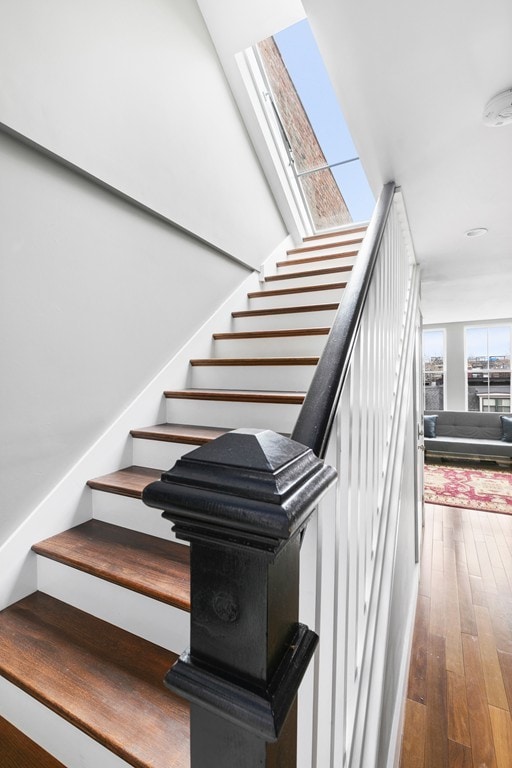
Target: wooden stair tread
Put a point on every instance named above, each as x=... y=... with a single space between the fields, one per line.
x=274 y=334
x=18 y=751
x=297 y=289
x=103 y=680
x=316 y=259
x=129 y=481
x=325 y=246
x=152 y=566
x=253 y=361
x=336 y=233
x=327 y=307
x=190 y=434
x=308 y=273
x=238 y=396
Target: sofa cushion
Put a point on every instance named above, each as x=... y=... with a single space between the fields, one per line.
x=506 y=428
x=429 y=425
x=468 y=446
x=471 y=424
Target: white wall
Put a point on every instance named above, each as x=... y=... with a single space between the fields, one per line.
x=235 y=27
x=96 y=295
x=132 y=91
x=455 y=363
x=447 y=300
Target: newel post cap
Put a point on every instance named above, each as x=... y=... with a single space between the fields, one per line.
x=251 y=484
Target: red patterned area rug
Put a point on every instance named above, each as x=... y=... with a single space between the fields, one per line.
x=456 y=486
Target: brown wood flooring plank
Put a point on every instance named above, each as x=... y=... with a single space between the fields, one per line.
x=274 y=334
x=498 y=568
x=426 y=558
x=106 y=682
x=436 y=746
x=326 y=307
x=413 y=751
x=253 y=361
x=458 y=715
x=152 y=566
x=500 y=609
x=239 y=396
x=478 y=593
x=466 y=607
x=505 y=660
x=468 y=705
x=470 y=546
x=490 y=663
x=417 y=684
x=437 y=604
x=189 y=434
x=501 y=723
x=454 y=660
x=459 y=756
x=18 y=751
x=129 y=481
x=486 y=569
x=482 y=742
x=308 y=273
x=297 y=289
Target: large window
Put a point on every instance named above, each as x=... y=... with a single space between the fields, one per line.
x=488 y=368
x=434 y=369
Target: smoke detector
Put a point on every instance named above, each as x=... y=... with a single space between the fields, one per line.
x=498 y=110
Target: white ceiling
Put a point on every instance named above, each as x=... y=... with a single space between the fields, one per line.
x=413 y=79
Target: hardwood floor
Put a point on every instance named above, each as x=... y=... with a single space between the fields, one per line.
x=459 y=696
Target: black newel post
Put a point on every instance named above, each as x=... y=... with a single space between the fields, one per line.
x=242 y=501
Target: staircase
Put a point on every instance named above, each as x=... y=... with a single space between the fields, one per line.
x=82 y=660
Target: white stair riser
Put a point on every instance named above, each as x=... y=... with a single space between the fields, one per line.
x=291 y=299
x=346 y=256
x=151 y=619
x=273 y=377
x=286 y=320
x=130 y=513
x=280 y=346
x=314 y=279
x=275 y=416
x=158 y=453
x=54 y=734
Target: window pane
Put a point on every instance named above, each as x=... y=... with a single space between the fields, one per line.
x=434 y=392
x=499 y=342
x=433 y=366
x=476 y=347
x=488 y=368
x=433 y=350
x=475 y=387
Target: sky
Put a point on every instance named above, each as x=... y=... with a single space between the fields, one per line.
x=480 y=342
x=307 y=70
x=433 y=344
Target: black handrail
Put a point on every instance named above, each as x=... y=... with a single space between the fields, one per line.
x=317 y=414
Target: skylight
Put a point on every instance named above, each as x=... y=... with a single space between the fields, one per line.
x=306 y=68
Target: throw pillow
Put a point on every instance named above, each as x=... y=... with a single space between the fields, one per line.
x=506 y=429
x=429 y=426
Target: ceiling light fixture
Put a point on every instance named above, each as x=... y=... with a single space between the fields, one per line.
x=477 y=232
x=498 y=110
